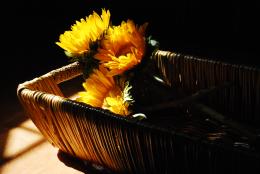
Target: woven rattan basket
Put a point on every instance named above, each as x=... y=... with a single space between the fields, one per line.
x=126 y=145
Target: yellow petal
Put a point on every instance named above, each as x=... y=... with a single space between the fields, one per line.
x=77 y=40
x=123 y=47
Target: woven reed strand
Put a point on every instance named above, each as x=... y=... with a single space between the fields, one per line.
x=124 y=145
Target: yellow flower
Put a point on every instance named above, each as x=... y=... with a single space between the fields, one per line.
x=86 y=31
x=122 y=48
x=97 y=87
x=119 y=99
x=102 y=91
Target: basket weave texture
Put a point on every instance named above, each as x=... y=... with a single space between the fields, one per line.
x=129 y=146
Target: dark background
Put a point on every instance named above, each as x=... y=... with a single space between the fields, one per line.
x=226 y=31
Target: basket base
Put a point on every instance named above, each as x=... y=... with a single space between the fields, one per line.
x=81 y=165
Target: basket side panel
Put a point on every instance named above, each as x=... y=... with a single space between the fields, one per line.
x=239 y=102
x=41 y=98
x=126 y=146
x=38 y=110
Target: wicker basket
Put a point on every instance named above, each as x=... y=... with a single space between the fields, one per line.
x=128 y=146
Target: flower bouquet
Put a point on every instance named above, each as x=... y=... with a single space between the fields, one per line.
x=144 y=110
x=113 y=58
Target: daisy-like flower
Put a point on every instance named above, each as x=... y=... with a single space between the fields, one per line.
x=83 y=33
x=102 y=91
x=97 y=87
x=122 y=48
x=119 y=99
